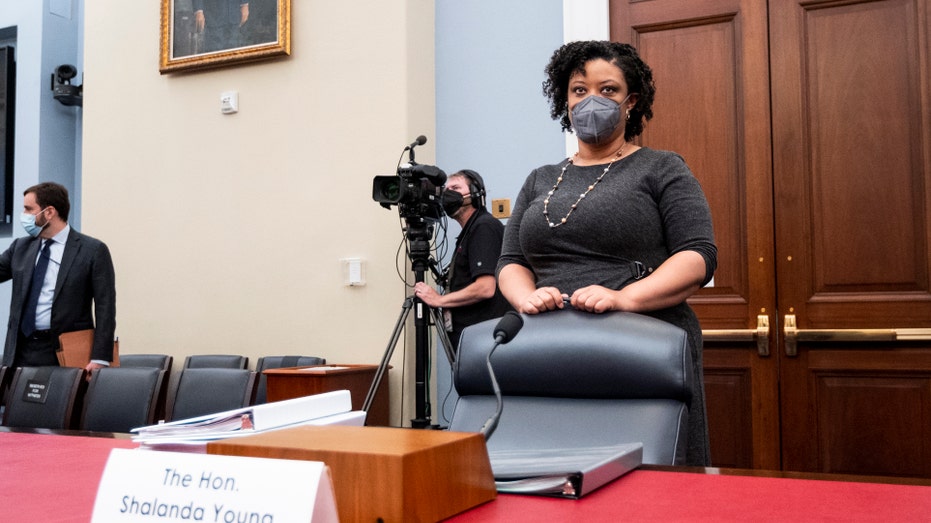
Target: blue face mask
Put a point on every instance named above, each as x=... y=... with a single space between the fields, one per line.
x=29 y=223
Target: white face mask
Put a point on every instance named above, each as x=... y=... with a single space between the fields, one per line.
x=29 y=223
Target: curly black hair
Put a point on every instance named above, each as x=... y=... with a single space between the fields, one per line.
x=572 y=57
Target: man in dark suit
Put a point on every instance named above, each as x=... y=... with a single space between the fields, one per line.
x=73 y=284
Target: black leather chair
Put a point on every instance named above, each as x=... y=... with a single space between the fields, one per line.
x=6 y=374
x=205 y=391
x=279 y=362
x=216 y=361
x=122 y=398
x=574 y=379
x=159 y=361
x=43 y=397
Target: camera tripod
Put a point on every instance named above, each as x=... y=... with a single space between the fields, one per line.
x=419 y=235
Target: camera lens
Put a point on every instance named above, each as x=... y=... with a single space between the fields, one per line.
x=391 y=190
x=387 y=189
x=65 y=72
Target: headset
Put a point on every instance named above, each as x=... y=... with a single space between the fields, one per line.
x=476 y=187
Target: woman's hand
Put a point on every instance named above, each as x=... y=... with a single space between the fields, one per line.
x=542 y=300
x=670 y=284
x=596 y=298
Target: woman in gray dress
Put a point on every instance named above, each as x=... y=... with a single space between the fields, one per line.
x=615 y=227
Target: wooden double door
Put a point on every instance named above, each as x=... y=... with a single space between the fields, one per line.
x=808 y=124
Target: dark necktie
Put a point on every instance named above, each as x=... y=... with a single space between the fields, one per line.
x=28 y=324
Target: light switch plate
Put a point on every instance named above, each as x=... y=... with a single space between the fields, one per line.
x=229 y=102
x=353 y=272
x=501 y=208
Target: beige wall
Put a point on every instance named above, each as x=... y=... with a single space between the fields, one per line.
x=227 y=230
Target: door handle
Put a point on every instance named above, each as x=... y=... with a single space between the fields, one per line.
x=760 y=334
x=793 y=335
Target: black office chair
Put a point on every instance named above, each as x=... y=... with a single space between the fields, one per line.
x=206 y=391
x=573 y=379
x=43 y=397
x=279 y=362
x=216 y=361
x=6 y=373
x=159 y=361
x=122 y=398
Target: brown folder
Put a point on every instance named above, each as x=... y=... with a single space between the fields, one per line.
x=74 y=349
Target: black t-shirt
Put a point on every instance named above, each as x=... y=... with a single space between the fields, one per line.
x=476 y=254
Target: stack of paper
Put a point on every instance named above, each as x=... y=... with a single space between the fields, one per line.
x=329 y=408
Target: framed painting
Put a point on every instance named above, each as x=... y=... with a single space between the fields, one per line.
x=200 y=34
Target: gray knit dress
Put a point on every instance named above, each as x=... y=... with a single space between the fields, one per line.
x=647 y=207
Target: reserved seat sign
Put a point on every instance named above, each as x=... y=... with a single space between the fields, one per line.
x=157 y=486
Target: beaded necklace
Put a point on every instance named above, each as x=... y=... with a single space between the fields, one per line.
x=546 y=202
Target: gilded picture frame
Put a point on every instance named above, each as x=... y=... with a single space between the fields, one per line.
x=201 y=34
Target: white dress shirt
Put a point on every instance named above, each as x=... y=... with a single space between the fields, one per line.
x=47 y=295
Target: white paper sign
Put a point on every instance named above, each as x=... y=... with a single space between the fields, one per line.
x=152 y=486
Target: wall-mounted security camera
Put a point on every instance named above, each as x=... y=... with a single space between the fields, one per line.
x=62 y=89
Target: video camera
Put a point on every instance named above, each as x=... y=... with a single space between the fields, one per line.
x=416 y=189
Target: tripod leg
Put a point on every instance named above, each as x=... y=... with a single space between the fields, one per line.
x=389 y=350
x=439 y=323
x=422 y=356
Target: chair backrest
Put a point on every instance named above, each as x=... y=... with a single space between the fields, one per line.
x=6 y=374
x=159 y=361
x=575 y=379
x=43 y=397
x=216 y=361
x=122 y=398
x=205 y=391
x=279 y=362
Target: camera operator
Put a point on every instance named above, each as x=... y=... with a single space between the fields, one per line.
x=473 y=294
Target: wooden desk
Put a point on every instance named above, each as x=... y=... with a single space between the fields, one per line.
x=51 y=477
x=295 y=382
x=384 y=473
x=36 y=464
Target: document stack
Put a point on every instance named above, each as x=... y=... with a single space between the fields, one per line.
x=192 y=434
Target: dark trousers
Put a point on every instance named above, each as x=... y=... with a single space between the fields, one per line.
x=38 y=350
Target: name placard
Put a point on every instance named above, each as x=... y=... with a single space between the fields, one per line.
x=36 y=391
x=156 y=486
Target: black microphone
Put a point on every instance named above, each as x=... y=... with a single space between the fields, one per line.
x=420 y=140
x=508 y=327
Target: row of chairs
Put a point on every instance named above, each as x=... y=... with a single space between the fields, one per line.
x=137 y=393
